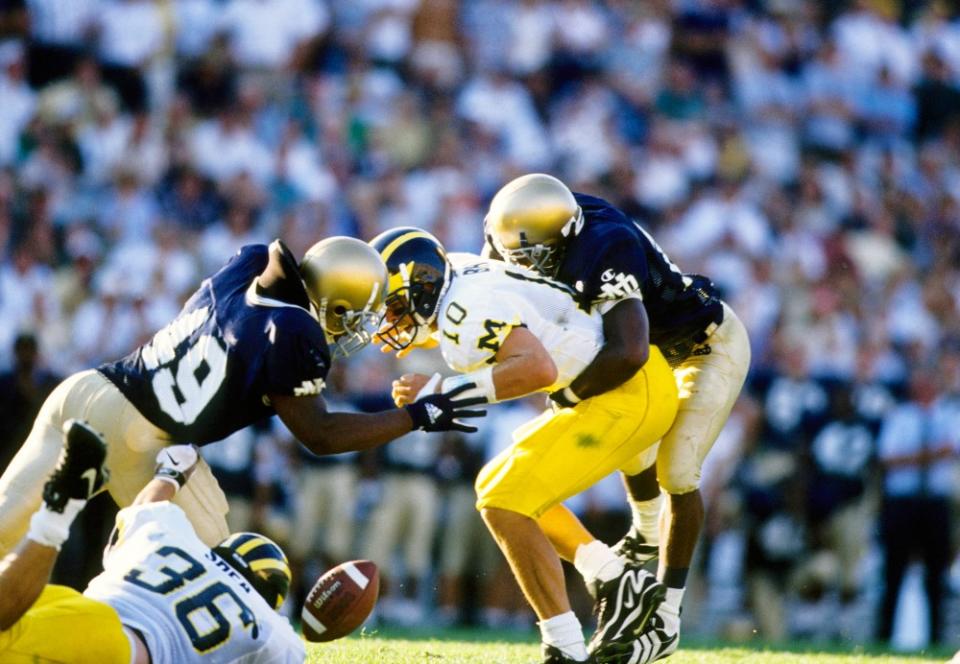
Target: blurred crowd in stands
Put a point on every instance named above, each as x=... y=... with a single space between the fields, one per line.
x=805 y=155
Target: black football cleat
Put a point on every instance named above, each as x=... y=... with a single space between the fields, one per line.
x=633 y=548
x=553 y=655
x=80 y=471
x=624 y=606
x=656 y=642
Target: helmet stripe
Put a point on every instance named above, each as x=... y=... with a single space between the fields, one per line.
x=392 y=247
x=270 y=563
x=247 y=547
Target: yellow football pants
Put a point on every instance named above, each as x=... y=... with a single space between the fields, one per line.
x=64 y=627
x=563 y=452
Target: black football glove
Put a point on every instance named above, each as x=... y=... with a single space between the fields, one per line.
x=440 y=412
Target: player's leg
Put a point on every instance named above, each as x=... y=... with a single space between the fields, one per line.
x=382 y=534
x=641 y=543
x=709 y=385
x=555 y=456
x=21 y=486
x=508 y=497
x=79 y=473
x=610 y=580
x=459 y=544
x=565 y=531
x=341 y=501
x=59 y=628
x=422 y=523
x=309 y=508
x=132 y=446
x=537 y=569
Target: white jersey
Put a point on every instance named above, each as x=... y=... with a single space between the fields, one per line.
x=488 y=298
x=189 y=605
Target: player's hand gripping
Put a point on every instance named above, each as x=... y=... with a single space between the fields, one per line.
x=176 y=463
x=409 y=387
x=441 y=412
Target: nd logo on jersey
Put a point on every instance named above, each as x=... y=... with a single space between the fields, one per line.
x=617 y=284
x=309 y=388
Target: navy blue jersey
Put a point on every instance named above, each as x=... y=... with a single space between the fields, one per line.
x=613 y=257
x=841 y=456
x=210 y=371
x=793 y=409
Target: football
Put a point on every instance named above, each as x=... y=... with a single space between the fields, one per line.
x=340 y=600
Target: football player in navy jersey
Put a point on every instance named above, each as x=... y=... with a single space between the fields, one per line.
x=255 y=339
x=618 y=269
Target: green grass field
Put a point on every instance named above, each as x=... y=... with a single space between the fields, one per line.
x=480 y=647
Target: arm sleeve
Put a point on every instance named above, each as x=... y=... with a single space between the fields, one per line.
x=297 y=358
x=618 y=271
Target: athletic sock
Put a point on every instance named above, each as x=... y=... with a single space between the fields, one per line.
x=670 y=609
x=51 y=528
x=565 y=633
x=597 y=562
x=646 y=518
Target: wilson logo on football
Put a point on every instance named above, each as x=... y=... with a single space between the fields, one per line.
x=326 y=594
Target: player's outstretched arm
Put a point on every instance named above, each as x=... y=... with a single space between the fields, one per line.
x=23 y=574
x=175 y=464
x=521 y=366
x=626 y=347
x=324 y=432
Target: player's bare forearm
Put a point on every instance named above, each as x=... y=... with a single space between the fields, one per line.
x=523 y=366
x=23 y=574
x=156 y=491
x=626 y=347
x=323 y=432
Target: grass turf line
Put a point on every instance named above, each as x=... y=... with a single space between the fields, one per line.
x=484 y=647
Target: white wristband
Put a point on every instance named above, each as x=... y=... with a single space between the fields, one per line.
x=569 y=395
x=51 y=528
x=482 y=378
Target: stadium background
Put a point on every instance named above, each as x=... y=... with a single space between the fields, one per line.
x=804 y=155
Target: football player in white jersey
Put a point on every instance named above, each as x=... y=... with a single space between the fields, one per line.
x=511 y=332
x=164 y=597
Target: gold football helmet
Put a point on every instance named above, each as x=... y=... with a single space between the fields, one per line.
x=346 y=280
x=529 y=217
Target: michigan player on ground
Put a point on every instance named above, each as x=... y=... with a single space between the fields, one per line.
x=256 y=338
x=510 y=332
x=164 y=597
x=617 y=269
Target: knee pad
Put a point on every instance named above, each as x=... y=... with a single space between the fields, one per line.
x=675 y=478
